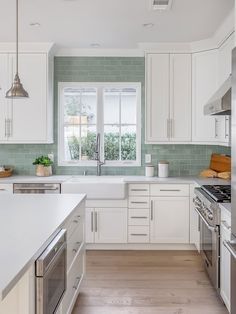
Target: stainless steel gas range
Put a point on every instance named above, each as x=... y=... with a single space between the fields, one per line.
x=206 y=202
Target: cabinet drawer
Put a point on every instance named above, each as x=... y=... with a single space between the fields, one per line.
x=75 y=243
x=138 y=189
x=74 y=220
x=169 y=190
x=138 y=234
x=139 y=217
x=74 y=278
x=139 y=202
x=6 y=188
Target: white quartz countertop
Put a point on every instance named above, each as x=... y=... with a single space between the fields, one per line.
x=28 y=223
x=127 y=179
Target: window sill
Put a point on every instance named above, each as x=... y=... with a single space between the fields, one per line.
x=94 y=164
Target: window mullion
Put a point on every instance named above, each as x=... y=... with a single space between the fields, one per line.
x=120 y=126
x=80 y=140
x=100 y=118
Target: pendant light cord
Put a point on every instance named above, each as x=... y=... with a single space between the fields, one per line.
x=17 y=48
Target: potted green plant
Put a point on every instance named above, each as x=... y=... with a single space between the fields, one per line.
x=43 y=166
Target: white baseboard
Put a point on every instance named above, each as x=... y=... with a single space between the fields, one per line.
x=165 y=247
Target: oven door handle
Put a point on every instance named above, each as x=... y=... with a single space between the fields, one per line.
x=204 y=220
x=230 y=248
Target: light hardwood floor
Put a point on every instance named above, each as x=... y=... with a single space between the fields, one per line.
x=146 y=282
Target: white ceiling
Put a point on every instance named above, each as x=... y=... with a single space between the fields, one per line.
x=111 y=23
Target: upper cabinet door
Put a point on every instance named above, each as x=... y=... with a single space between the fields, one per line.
x=157 y=97
x=28 y=117
x=4 y=103
x=225 y=59
x=205 y=83
x=180 y=97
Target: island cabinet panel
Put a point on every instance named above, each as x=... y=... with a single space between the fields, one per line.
x=75 y=226
x=169 y=220
x=21 y=299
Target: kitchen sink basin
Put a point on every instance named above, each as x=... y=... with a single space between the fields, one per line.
x=96 y=187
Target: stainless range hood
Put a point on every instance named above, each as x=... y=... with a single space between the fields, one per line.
x=220 y=103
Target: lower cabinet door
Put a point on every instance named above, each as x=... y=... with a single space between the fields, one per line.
x=169 y=220
x=225 y=266
x=110 y=225
x=89 y=225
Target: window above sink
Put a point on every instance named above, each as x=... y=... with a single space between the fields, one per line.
x=111 y=109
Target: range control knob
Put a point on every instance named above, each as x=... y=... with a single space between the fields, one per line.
x=210 y=216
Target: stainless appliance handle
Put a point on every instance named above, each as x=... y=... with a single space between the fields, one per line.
x=96 y=222
x=230 y=248
x=204 y=220
x=139 y=217
x=53 y=249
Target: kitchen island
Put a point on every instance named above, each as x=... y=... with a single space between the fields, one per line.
x=28 y=223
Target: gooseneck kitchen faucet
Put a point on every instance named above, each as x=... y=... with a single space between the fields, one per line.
x=98 y=154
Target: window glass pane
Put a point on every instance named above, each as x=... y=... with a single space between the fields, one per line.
x=88 y=142
x=72 y=143
x=111 y=142
x=128 y=143
x=128 y=106
x=111 y=106
x=80 y=105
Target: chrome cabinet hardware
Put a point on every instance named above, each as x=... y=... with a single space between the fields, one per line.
x=171 y=128
x=96 y=222
x=75 y=221
x=151 y=209
x=226 y=127
x=91 y=221
x=226 y=225
x=138 y=234
x=170 y=190
x=2 y=189
x=138 y=202
x=76 y=249
x=138 y=217
x=77 y=282
x=137 y=190
x=230 y=248
x=216 y=134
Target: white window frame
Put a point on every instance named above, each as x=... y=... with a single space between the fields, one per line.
x=100 y=123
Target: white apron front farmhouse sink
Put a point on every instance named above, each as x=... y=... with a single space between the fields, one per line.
x=96 y=187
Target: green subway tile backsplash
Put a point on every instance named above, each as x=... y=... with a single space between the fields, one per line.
x=184 y=159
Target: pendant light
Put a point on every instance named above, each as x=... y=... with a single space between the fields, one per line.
x=17 y=90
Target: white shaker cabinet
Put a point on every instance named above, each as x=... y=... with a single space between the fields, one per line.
x=106 y=225
x=168 y=98
x=225 y=262
x=157 y=98
x=28 y=120
x=169 y=220
x=4 y=86
x=205 y=84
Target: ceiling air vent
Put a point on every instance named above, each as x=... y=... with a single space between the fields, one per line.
x=162 y=5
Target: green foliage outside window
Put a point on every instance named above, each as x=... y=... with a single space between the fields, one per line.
x=88 y=143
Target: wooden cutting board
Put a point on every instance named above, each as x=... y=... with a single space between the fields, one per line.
x=220 y=163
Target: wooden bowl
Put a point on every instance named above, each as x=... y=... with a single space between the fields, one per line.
x=6 y=173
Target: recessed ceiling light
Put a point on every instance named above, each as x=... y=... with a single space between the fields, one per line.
x=35 y=24
x=95 y=45
x=148 y=25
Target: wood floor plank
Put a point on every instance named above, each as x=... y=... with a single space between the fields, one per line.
x=146 y=282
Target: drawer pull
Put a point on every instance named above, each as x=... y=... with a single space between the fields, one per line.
x=151 y=210
x=138 y=234
x=75 y=221
x=96 y=222
x=75 y=250
x=226 y=225
x=139 y=190
x=138 y=217
x=170 y=190
x=91 y=221
x=77 y=282
x=139 y=202
x=2 y=189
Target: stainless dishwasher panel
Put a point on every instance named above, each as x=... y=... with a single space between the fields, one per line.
x=36 y=188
